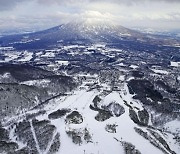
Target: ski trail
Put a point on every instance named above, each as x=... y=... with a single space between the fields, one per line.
x=51 y=142
x=89 y=100
x=34 y=136
x=76 y=99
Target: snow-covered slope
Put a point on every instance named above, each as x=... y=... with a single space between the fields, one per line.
x=83 y=32
x=90 y=121
x=91 y=88
x=88 y=31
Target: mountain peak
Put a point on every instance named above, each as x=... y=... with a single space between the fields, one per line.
x=89 y=28
x=93 y=23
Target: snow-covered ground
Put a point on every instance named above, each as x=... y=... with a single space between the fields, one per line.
x=48 y=54
x=175 y=64
x=103 y=142
x=26 y=56
x=133 y=66
x=160 y=71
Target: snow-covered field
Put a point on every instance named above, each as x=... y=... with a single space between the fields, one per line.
x=102 y=141
x=175 y=64
x=160 y=71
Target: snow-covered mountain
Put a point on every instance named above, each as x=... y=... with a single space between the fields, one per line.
x=84 y=32
x=92 y=118
x=94 y=31
x=89 y=88
x=171 y=33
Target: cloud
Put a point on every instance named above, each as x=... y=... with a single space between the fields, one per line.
x=49 y=13
x=9 y=4
x=108 y=1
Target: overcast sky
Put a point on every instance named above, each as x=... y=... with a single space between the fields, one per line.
x=159 y=14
